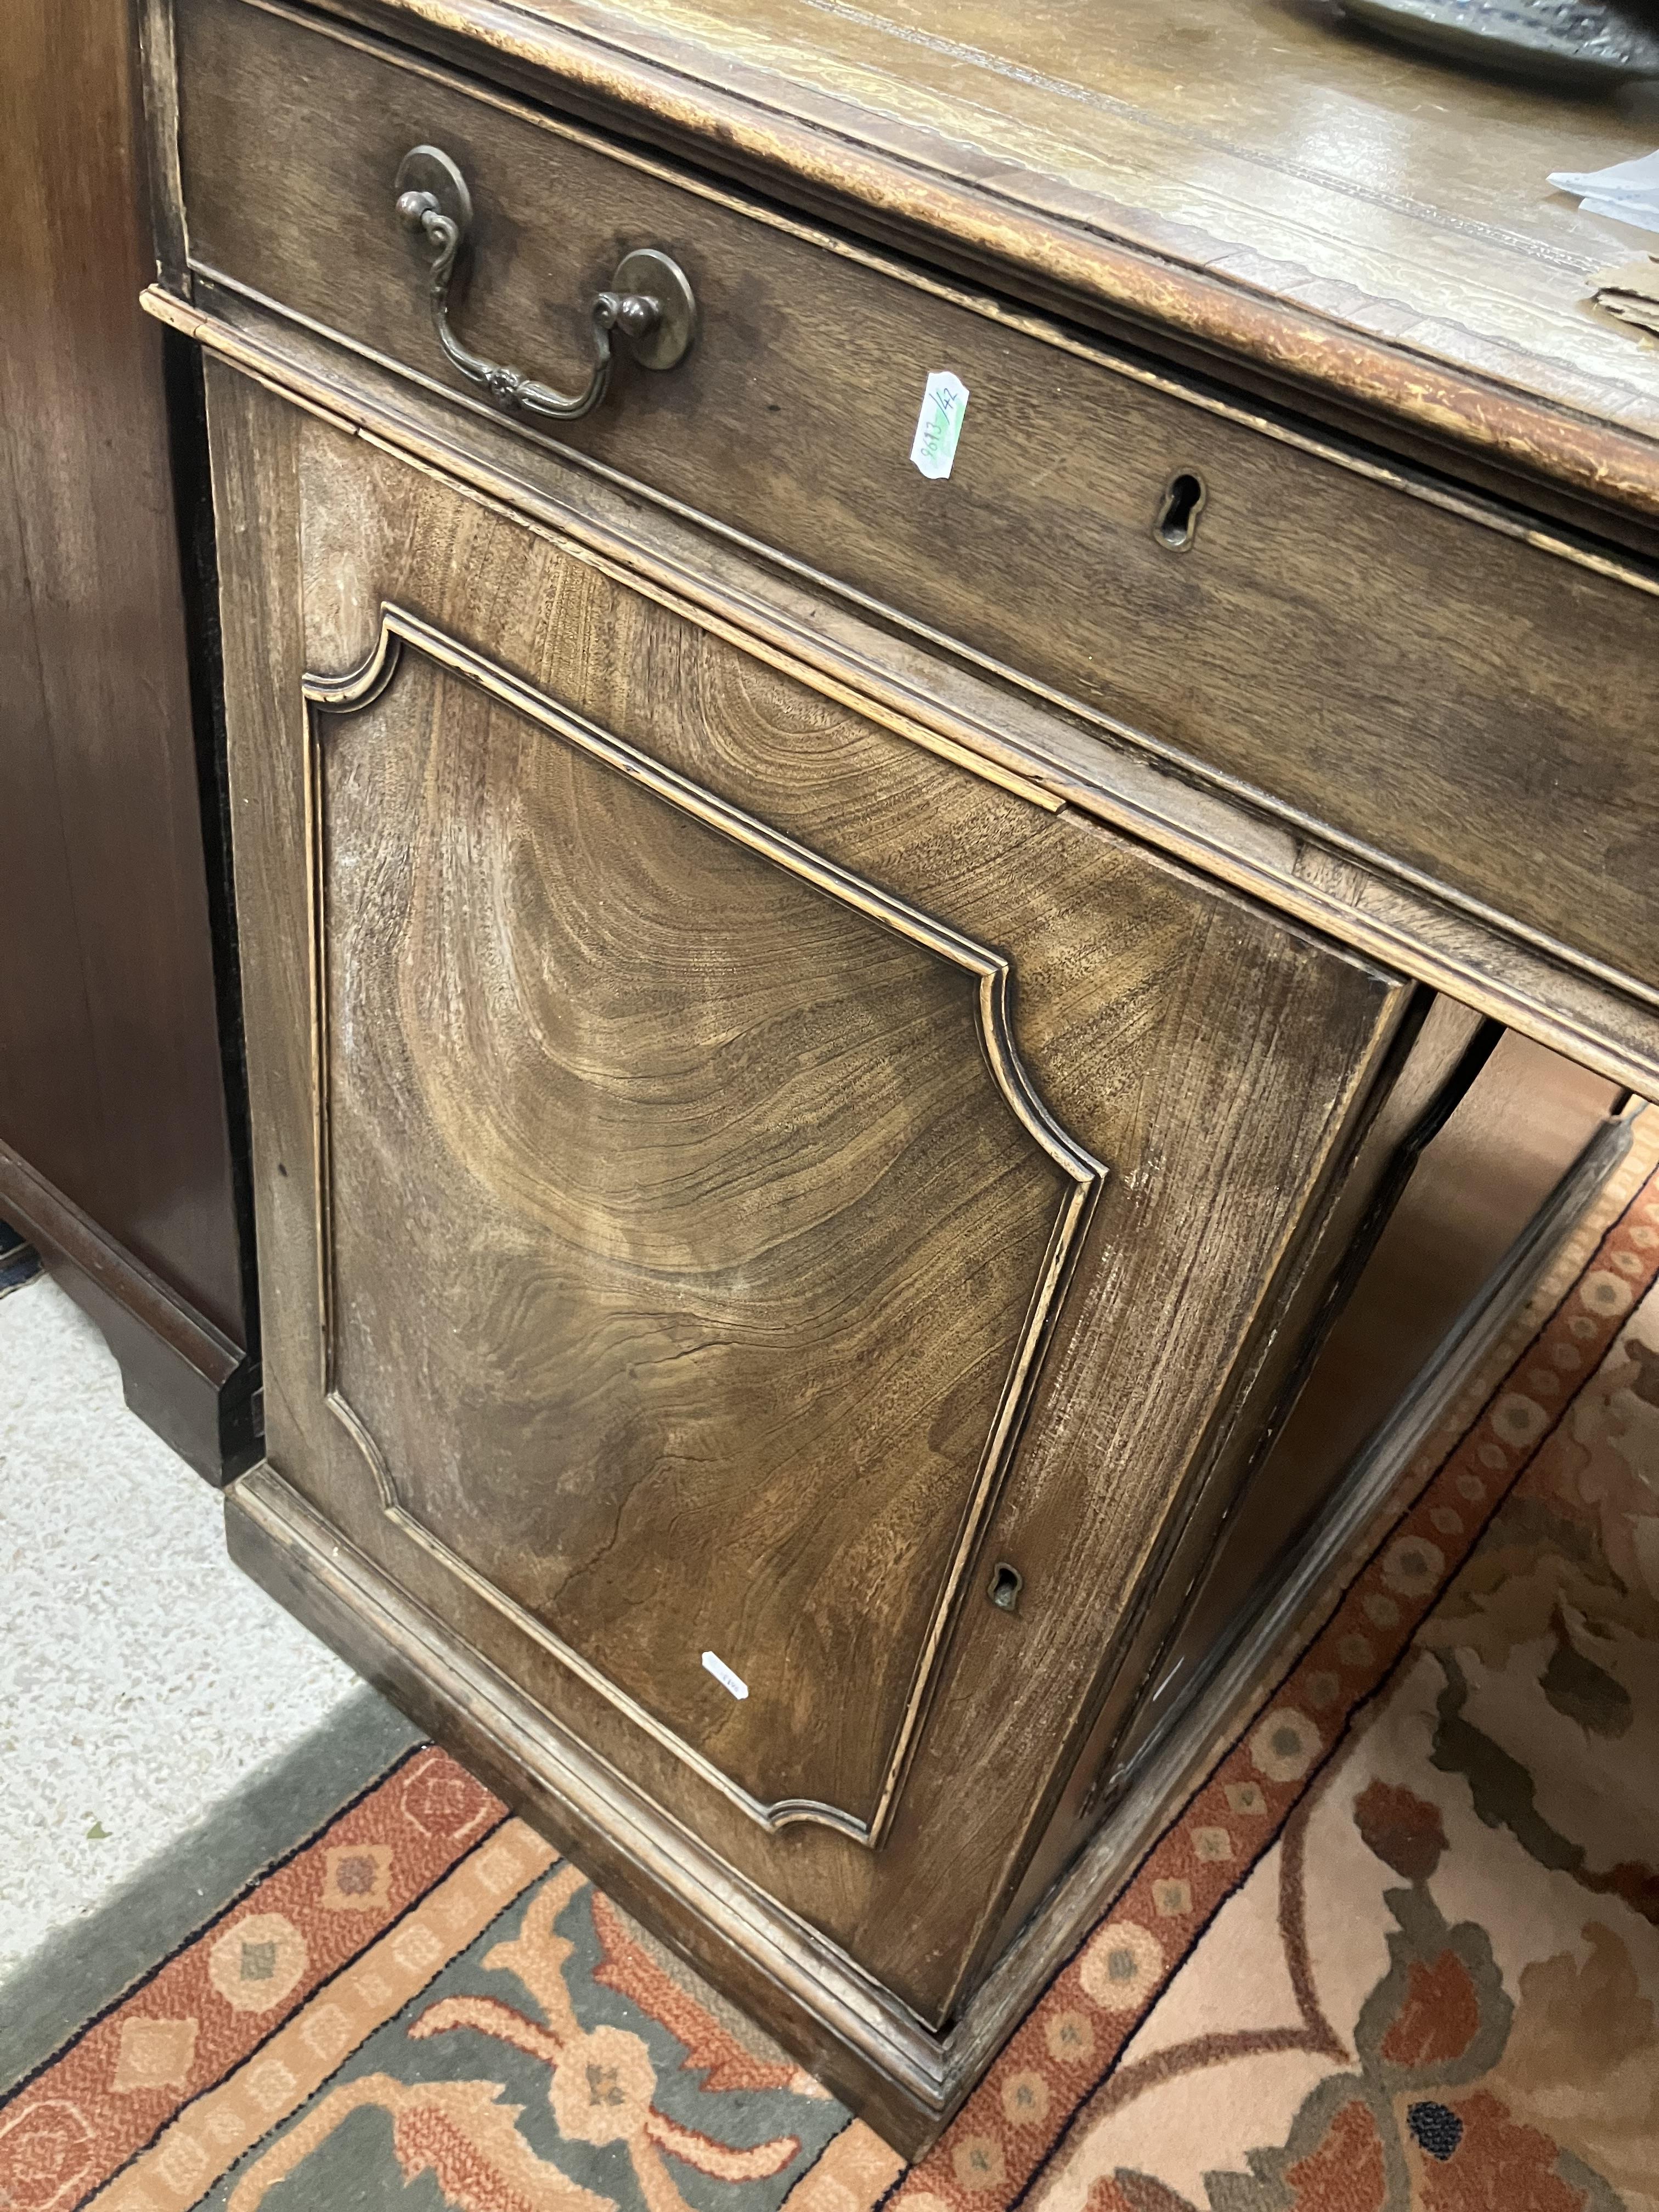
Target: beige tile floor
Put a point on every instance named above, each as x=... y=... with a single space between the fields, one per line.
x=141 y=1677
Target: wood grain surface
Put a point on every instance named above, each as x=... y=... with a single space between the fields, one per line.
x=731 y=1255
x=1264 y=181
x=939 y=698
x=1221 y=1063
x=112 y=1110
x=654 y=1211
x=1438 y=692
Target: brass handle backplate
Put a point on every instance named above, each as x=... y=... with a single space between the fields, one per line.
x=649 y=302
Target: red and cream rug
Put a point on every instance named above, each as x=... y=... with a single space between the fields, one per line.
x=1400 y=1950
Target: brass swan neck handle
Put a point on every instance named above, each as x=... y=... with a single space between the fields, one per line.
x=649 y=302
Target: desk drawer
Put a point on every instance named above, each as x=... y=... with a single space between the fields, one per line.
x=1433 y=688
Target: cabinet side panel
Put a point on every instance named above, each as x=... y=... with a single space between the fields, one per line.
x=110 y=1085
x=251 y=439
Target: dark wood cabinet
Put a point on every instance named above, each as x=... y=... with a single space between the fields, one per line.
x=117 y=1040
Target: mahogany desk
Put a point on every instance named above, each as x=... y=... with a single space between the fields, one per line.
x=843 y=987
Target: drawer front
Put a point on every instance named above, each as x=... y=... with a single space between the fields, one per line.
x=730 y=1180
x=1471 y=707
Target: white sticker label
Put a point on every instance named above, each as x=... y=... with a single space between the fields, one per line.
x=724 y=1676
x=939 y=426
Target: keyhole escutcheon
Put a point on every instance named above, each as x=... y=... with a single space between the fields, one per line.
x=1177 y=515
x=1005 y=1587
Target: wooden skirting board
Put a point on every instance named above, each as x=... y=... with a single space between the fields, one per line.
x=196 y=1389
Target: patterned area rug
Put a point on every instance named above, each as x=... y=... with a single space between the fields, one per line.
x=1400 y=1949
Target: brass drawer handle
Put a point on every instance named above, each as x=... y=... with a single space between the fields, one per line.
x=650 y=303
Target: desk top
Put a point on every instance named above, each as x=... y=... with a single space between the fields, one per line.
x=1254 y=178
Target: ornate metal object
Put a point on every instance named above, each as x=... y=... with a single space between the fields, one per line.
x=649 y=302
x=1561 y=40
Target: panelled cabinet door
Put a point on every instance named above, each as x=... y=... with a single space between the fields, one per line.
x=690 y=1226
x=748 y=1203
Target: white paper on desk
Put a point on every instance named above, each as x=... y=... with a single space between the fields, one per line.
x=1627 y=192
